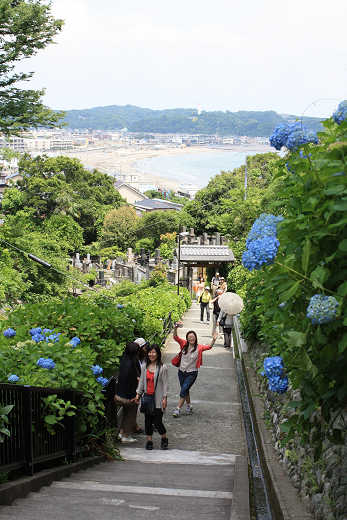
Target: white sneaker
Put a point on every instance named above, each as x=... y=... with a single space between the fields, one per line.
x=189 y=410
x=127 y=439
x=176 y=412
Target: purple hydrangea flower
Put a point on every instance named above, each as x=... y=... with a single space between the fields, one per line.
x=9 y=333
x=47 y=363
x=322 y=309
x=97 y=370
x=13 y=378
x=120 y=306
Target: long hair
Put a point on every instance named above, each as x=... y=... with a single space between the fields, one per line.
x=185 y=348
x=158 y=351
x=130 y=356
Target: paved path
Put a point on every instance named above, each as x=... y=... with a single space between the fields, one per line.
x=203 y=475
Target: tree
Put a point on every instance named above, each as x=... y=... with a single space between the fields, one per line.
x=119 y=228
x=26 y=26
x=156 y=223
x=61 y=186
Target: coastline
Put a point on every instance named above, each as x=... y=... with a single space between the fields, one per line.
x=111 y=159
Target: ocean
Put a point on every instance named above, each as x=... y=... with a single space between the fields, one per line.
x=193 y=168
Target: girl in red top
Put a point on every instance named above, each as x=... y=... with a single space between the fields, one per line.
x=191 y=360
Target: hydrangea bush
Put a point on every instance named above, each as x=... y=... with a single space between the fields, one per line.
x=309 y=276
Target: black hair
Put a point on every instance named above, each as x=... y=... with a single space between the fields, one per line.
x=131 y=350
x=142 y=352
x=185 y=348
x=158 y=351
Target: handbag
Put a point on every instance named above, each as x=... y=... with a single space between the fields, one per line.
x=147 y=404
x=176 y=361
x=148 y=401
x=222 y=321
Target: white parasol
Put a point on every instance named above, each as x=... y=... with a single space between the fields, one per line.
x=231 y=303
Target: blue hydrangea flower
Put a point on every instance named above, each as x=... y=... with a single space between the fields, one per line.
x=102 y=380
x=97 y=370
x=281 y=132
x=340 y=115
x=264 y=225
x=46 y=363
x=120 y=306
x=53 y=338
x=260 y=252
x=278 y=384
x=273 y=366
x=36 y=330
x=74 y=341
x=13 y=378
x=299 y=137
x=282 y=305
x=289 y=168
x=38 y=337
x=322 y=309
x=47 y=331
x=9 y=333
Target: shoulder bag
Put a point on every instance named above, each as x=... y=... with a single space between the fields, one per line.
x=148 y=401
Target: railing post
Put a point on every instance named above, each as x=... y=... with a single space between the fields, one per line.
x=28 y=431
x=70 y=425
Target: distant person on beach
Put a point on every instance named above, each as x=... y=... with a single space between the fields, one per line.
x=190 y=360
x=204 y=300
x=154 y=382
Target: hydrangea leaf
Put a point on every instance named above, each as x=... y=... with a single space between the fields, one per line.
x=286 y=295
x=306 y=255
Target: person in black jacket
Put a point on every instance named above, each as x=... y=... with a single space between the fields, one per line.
x=126 y=391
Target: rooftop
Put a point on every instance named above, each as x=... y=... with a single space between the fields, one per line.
x=208 y=253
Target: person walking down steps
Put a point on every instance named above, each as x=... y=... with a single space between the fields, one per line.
x=188 y=361
x=204 y=300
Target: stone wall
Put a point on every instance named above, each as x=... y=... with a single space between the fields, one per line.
x=321 y=482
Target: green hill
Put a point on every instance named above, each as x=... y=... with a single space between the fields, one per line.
x=181 y=120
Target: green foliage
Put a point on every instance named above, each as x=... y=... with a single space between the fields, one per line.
x=311 y=260
x=167 y=245
x=4 y=431
x=25 y=28
x=62 y=186
x=119 y=228
x=144 y=243
x=187 y=121
x=221 y=206
x=57 y=410
x=156 y=223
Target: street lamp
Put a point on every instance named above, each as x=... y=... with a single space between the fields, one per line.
x=182 y=234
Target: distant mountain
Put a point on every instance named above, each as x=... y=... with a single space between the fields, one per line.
x=181 y=120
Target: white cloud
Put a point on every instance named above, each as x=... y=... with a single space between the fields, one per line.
x=226 y=54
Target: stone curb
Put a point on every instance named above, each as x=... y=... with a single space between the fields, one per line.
x=287 y=501
x=19 y=488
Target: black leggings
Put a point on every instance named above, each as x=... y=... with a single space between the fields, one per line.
x=157 y=420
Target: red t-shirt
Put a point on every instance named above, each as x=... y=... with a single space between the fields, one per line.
x=150 y=381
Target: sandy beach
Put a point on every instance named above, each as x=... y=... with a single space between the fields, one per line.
x=121 y=160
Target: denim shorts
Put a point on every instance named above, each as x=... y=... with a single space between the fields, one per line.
x=187 y=379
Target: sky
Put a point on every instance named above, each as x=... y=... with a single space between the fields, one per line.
x=287 y=56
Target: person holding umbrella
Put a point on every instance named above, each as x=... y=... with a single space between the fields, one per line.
x=230 y=304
